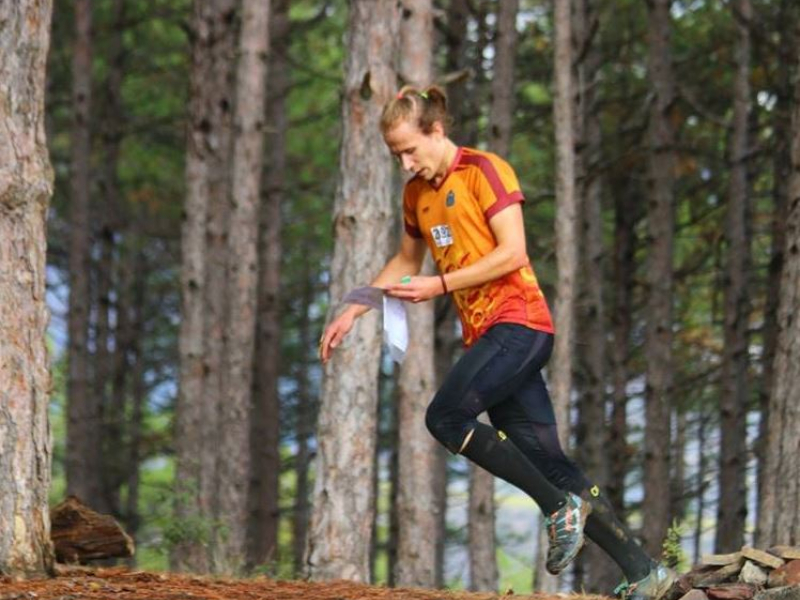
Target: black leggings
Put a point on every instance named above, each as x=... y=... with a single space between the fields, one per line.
x=501 y=374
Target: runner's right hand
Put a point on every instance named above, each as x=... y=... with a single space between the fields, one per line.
x=334 y=333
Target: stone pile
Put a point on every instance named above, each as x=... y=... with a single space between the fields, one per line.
x=749 y=574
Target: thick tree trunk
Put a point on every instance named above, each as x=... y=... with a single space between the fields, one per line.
x=661 y=218
x=341 y=521
x=779 y=518
x=416 y=506
x=203 y=274
x=26 y=184
x=732 y=508
x=262 y=543
x=561 y=366
x=83 y=416
x=233 y=448
x=782 y=169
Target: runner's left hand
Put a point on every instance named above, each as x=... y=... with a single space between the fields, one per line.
x=418 y=289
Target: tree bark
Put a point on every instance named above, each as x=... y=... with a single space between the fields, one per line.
x=782 y=169
x=501 y=110
x=561 y=366
x=417 y=510
x=110 y=215
x=202 y=277
x=661 y=218
x=233 y=450
x=83 y=412
x=732 y=511
x=265 y=426
x=341 y=521
x=445 y=341
x=306 y=419
x=779 y=518
x=625 y=217
x=26 y=185
x=482 y=551
x=599 y=572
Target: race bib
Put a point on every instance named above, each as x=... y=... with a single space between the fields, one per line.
x=442 y=236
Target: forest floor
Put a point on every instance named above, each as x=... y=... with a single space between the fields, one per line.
x=122 y=584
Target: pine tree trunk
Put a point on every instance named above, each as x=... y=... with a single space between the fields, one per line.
x=105 y=360
x=732 y=511
x=341 y=521
x=782 y=169
x=445 y=342
x=83 y=416
x=779 y=518
x=483 y=572
x=460 y=98
x=483 y=568
x=561 y=365
x=661 y=218
x=26 y=185
x=233 y=448
x=416 y=507
x=600 y=573
x=203 y=276
x=138 y=390
x=265 y=430
x=306 y=419
x=621 y=324
x=501 y=110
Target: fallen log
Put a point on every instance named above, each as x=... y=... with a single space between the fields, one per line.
x=80 y=534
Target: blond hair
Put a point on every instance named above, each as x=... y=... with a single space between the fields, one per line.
x=421 y=107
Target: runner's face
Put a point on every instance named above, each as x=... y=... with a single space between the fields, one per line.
x=417 y=152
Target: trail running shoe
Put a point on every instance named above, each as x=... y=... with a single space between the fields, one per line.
x=653 y=587
x=565 y=532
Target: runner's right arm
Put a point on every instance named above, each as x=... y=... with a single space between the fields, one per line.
x=407 y=262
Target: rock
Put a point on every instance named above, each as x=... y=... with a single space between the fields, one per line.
x=761 y=557
x=753 y=574
x=720 y=560
x=694 y=595
x=786 y=552
x=720 y=575
x=735 y=591
x=781 y=593
x=788 y=574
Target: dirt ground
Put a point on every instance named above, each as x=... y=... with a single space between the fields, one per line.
x=122 y=584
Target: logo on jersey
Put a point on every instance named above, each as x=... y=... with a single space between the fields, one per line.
x=442 y=236
x=451 y=198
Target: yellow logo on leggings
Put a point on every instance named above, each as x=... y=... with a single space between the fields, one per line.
x=501 y=435
x=595 y=491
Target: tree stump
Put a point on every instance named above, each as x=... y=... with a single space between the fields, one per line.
x=80 y=534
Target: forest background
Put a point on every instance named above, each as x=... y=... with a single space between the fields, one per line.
x=716 y=80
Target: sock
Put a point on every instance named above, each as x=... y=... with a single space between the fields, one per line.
x=607 y=531
x=492 y=450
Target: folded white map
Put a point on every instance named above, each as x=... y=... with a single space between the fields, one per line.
x=395 y=324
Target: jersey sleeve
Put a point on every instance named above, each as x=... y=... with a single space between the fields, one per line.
x=410 y=223
x=497 y=186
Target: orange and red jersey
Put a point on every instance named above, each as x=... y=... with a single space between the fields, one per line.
x=454 y=221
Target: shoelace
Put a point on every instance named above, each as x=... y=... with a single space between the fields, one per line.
x=624 y=589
